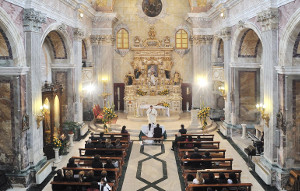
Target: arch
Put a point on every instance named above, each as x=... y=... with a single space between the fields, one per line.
x=216 y=50
x=249 y=44
x=238 y=36
x=286 y=45
x=58 y=45
x=83 y=50
x=89 y=51
x=14 y=38
x=5 y=49
x=65 y=38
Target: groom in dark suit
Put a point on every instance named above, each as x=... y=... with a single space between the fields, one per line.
x=157 y=132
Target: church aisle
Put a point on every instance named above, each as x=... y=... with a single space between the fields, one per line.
x=151 y=167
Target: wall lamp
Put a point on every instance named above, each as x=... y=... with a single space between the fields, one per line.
x=42 y=114
x=222 y=90
x=261 y=108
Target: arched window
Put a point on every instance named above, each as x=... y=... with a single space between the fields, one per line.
x=122 y=39
x=181 y=39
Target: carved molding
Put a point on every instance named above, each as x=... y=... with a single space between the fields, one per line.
x=32 y=20
x=102 y=39
x=268 y=19
x=151 y=20
x=105 y=19
x=202 y=39
x=225 y=33
x=78 y=34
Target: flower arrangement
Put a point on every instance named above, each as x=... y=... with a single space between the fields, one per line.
x=108 y=113
x=203 y=114
x=164 y=92
x=56 y=143
x=165 y=104
x=141 y=92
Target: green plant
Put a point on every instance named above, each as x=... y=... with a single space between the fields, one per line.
x=70 y=126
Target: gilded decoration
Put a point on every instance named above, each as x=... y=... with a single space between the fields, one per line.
x=152 y=73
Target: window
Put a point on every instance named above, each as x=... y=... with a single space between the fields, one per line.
x=181 y=39
x=122 y=39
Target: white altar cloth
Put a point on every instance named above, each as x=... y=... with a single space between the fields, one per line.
x=157 y=107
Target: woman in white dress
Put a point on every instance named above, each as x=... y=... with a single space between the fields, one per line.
x=150 y=134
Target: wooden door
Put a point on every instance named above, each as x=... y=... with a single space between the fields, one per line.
x=186 y=91
x=119 y=89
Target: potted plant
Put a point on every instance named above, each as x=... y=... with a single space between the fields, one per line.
x=56 y=146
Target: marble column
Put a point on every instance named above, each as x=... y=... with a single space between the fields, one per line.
x=32 y=21
x=269 y=22
x=103 y=59
x=77 y=47
x=225 y=34
x=202 y=89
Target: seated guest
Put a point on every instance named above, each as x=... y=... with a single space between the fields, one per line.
x=189 y=145
x=97 y=164
x=207 y=164
x=118 y=144
x=90 y=177
x=199 y=178
x=93 y=138
x=110 y=174
x=222 y=180
x=100 y=144
x=102 y=136
x=198 y=138
x=186 y=156
x=211 y=179
x=178 y=137
x=112 y=138
x=104 y=175
x=124 y=129
x=69 y=176
x=108 y=143
x=232 y=180
x=58 y=178
x=189 y=177
x=81 y=175
x=157 y=132
x=195 y=155
x=104 y=186
x=94 y=186
x=71 y=163
x=182 y=130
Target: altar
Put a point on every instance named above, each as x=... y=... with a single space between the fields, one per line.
x=152 y=80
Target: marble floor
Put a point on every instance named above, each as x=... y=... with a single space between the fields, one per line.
x=154 y=167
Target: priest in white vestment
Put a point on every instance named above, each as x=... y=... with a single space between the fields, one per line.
x=152 y=114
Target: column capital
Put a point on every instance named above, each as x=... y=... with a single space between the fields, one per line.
x=78 y=34
x=225 y=33
x=32 y=20
x=268 y=19
x=202 y=39
x=102 y=39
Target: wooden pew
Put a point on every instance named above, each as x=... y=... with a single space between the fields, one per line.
x=122 y=136
x=217 y=163
x=154 y=139
x=214 y=153
x=80 y=184
x=124 y=143
x=86 y=161
x=215 y=171
x=101 y=152
x=203 y=137
x=204 y=144
x=239 y=185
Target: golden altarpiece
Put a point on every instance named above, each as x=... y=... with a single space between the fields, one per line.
x=152 y=81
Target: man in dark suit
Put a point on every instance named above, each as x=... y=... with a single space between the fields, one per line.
x=195 y=155
x=178 y=137
x=89 y=144
x=157 y=132
x=182 y=130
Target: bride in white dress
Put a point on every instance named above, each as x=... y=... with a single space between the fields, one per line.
x=150 y=134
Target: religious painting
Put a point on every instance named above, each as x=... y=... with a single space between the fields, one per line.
x=152 y=70
x=152 y=8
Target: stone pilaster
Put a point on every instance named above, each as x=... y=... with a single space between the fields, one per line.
x=269 y=22
x=225 y=34
x=202 y=93
x=32 y=24
x=77 y=47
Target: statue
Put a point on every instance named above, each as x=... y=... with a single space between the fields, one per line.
x=129 y=79
x=177 y=78
x=168 y=67
x=137 y=73
x=152 y=80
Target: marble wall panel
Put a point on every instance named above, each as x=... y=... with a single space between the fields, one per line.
x=247 y=96
x=58 y=45
x=6 y=103
x=5 y=49
x=62 y=78
x=296 y=110
x=221 y=49
x=249 y=44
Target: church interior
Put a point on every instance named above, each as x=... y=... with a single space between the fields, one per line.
x=171 y=95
